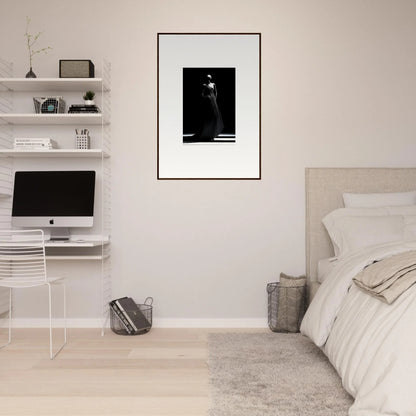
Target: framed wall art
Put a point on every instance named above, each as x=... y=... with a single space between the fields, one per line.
x=209 y=97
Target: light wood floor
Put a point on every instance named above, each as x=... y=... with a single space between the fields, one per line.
x=161 y=373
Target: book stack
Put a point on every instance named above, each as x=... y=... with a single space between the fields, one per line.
x=130 y=315
x=23 y=143
x=82 y=108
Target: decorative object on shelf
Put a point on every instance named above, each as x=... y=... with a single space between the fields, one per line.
x=209 y=106
x=49 y=105
x=89 y=98
x=30 y=74
x=30 y=42
x=76 y=68
x=82 y=140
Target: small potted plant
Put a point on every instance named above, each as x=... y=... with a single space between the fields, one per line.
x=89 y=98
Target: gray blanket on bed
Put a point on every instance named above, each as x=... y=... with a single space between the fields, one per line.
x=388 y=278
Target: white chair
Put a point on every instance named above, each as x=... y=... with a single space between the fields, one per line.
x=23 y=265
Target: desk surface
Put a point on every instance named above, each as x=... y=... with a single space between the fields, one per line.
x=75 y=243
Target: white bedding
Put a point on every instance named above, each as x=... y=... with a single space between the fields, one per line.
x=325 y=266
x=371 y=344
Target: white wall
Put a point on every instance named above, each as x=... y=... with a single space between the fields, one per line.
x=338 y=89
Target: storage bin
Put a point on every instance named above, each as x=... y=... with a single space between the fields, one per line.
x=286 y=303
x=49 y=105
x=117 y=326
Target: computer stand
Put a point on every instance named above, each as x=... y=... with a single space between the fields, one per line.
x=60 y=234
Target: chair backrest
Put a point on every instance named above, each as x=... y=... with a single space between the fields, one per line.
x=22 y=257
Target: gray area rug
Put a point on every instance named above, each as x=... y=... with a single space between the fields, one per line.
x=272 y=374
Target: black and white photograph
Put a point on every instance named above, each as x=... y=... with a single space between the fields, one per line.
x=209 y=105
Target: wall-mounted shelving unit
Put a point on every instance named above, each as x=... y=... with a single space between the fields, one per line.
x=10 y=119
x=52 y=119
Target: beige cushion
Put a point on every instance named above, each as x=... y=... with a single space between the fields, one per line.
x=292 y=281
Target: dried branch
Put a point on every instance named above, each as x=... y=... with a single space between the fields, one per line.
x=31 y=40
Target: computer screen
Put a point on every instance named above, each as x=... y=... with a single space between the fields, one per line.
x=53 y=198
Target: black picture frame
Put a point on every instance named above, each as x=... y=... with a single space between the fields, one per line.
x=186 y=152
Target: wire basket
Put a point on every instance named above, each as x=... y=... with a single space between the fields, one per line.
x=286 y=304
x=49 y=105
x=118 y=327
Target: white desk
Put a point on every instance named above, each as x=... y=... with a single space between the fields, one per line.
x=75 y=249
x=75 y=243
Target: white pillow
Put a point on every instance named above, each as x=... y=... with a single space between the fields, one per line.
x=339 y=239
x=329 y=219
x=333 y=220
x=379 y=199
x=355 y=233
x=408 y=211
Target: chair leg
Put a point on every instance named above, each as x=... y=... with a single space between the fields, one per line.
x=52 y=355
x=64 y=293
x=10 y=319
x=10 y=315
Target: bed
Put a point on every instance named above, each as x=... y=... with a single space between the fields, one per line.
x=371 y=344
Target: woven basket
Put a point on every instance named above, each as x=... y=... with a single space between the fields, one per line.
x=286 y=303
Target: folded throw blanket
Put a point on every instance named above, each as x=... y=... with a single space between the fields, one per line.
x=388 y=278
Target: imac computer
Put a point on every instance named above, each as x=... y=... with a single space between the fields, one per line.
x=54 y=199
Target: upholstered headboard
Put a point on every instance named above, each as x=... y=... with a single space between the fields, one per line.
x=324 y=188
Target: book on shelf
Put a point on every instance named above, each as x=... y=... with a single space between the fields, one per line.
x=82 y=108
x=133 y=314
x=32 y=139
x=34 y=144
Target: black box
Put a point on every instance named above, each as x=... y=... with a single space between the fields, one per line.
x=76 y=68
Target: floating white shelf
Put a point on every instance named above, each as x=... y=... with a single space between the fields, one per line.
x=55 y=119
x=52 y=84
x=66 y=244
x=70 y=258
x=53 y=153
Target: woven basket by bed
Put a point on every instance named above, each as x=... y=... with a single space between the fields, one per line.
x=286 y=303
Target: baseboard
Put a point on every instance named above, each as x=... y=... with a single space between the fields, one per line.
x=157 y=323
